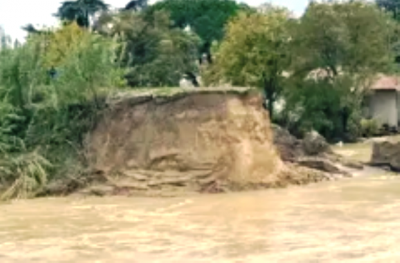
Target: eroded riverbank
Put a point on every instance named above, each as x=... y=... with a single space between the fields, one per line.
x=351 y=220
x=347 y=220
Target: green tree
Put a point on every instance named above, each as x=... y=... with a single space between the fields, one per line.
x=42 y=122
x=31 y=29
x=20 y=71
x=153 y=53
x=136 y=5
x=80 y=11
x=22 y=168
x=88 y=70
x=341 y=45
x=5 y=40
x=255 y=52
x=349 y=36
x=207 y=18
x=61 y=42
x=392 y=6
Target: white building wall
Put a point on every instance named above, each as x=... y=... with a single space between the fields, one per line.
x=384 y=108
x=398 y=106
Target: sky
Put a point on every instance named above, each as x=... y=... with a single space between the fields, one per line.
x=17 y=13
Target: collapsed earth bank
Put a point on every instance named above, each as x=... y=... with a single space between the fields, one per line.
x=200 y=140
x=175 y=141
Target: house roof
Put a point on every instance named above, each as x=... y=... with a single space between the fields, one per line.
x=382 y=82
x=386 y=83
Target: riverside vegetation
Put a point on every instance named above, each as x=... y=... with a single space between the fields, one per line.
x=53 y=86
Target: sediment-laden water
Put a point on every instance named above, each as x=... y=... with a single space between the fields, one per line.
x=351 y=220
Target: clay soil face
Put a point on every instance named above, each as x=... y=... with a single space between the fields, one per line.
x=192 y=140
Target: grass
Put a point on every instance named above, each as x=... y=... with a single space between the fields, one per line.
x=170 y=91
x=31 y=169
x=174 y=92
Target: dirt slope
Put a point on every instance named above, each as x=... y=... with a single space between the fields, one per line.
x=200 y=140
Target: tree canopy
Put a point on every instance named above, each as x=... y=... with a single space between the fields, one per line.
x=255 y=52
x=355 y=38
x=136 y=5
x=153 y=53
x=207 y=18
x=80 y=11
x=392 y=6
x=61 y=42
x=338 y=48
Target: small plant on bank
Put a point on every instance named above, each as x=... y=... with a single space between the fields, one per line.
x=369 y=127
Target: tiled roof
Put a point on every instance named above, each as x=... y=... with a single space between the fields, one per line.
x=386 y=83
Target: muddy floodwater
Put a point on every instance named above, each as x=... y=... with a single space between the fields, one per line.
x=351 y=220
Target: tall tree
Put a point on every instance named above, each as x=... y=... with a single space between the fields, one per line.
x=80 y=11
x=255 y=52
x=343 y=45
x=207 y=18
x=351 y=37
x=61 y=43
x=31 y=29
x=392 y=6
x=5 y=40
x=136 y=5
x=153 y=53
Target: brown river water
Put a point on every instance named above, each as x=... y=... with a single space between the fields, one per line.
x=350 y=220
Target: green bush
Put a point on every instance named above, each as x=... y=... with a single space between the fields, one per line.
x=43 y=121
x=354 y=127
x=369 y=127
x=317 y=105
x=27 y=170
x=326 y=105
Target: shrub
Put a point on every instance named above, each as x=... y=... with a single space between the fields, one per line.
x=369 y=127
x=43 y=121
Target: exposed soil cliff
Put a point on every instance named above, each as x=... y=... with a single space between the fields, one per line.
x=200 y=140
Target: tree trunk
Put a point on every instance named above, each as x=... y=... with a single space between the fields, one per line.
x=86 y=18
x=269 y=90
x=192 y=78
x=209 y=57
x=270 y=103
x=345 y=118
x=207 y=50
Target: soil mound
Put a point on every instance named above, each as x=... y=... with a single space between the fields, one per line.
x=199 y=139
x=313 y=152
x=386 y=154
